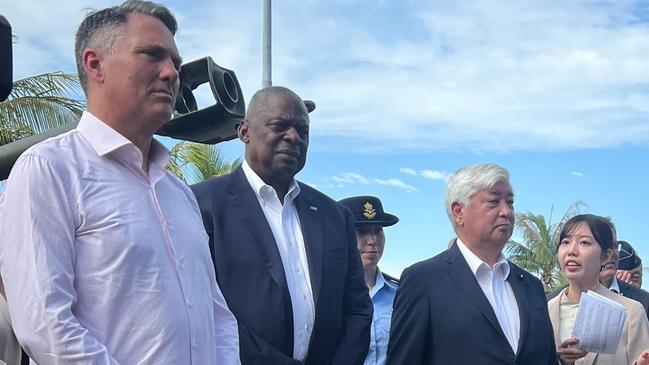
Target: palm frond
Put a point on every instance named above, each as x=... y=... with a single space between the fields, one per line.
x=194 y=162
x=47 y=84
x=39 y=103
x=175 y=165
x=40 y=113
x=536 y=252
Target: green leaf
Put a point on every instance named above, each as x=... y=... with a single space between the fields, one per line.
x=39 y=103
x=195 y=162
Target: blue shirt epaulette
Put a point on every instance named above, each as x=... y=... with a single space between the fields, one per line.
x=390 y=279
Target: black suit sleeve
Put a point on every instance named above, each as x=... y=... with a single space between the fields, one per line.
x=357 y=307
x=410 y=334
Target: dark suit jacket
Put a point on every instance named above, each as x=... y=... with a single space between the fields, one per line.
x=626 y=290
x=442 y=317
x=251 y=276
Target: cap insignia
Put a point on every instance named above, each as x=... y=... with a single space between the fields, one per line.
x=369 y=212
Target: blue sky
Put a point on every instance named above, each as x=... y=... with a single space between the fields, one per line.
x=410 y=91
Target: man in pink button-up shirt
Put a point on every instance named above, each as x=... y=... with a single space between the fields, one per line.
x=104 y=256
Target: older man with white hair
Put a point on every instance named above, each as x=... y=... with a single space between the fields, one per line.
x=469 y=305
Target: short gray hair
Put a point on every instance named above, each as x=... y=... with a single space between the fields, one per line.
x=260 y=98
x=101 y=28
x=468 y=180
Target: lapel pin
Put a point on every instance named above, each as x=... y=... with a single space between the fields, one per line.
x=315 y=209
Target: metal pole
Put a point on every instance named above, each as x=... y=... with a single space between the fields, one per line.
x=266 y=58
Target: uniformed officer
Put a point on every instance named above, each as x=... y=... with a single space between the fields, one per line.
x=370 y=219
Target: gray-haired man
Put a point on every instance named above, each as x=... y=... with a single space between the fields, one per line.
x=469 y=305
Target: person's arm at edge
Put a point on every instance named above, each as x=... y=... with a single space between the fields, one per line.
x=410 y=328
x=227 y=331
x=638 y=332
x=357 y=306
x=225 y=324
x=38 y=256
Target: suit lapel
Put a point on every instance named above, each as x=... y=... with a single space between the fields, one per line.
x=519 y=287
x=244 y=204
x=555 y=316
x=312 y=227
x=459 y=272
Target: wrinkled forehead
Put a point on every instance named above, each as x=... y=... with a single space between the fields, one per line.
x=501 y=188
x=281 y=106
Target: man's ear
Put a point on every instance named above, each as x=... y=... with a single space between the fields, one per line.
x=606 y=256
x=457 y=210
x=92 y=63
x=242 y=131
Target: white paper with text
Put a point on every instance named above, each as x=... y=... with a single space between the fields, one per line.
x=599 y=323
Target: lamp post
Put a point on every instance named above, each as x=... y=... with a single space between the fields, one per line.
x=266 y=56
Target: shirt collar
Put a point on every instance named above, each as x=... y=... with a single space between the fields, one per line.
x=380 y=283
x=615 y=286
x=475 y=263
x=105 y=140
x=261 y=188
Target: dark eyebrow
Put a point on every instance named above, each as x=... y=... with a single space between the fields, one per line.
x=175 y=57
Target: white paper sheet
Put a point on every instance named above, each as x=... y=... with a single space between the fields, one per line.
x=599 y=323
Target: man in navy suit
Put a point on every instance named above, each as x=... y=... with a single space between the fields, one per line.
x=469 y=305
x=285 y=254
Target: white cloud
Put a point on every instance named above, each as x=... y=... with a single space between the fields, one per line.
x=426 y=174
x=396 y=183
x=435 y=175
x=413 y=76
x=408 y=171
x=351 y=178
x=577 y=173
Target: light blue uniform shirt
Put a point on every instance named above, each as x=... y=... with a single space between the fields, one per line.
x=382 y=295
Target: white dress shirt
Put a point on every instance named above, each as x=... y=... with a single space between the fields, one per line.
x=285 y=225
x=615 y=286
x=10 y=352
x=499 y=293
x=106 y=264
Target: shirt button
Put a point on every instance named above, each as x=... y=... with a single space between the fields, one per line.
x=194 y=345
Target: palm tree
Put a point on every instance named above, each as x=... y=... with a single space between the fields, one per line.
x=536 y=253
x=39 y=103
x=195 y=162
